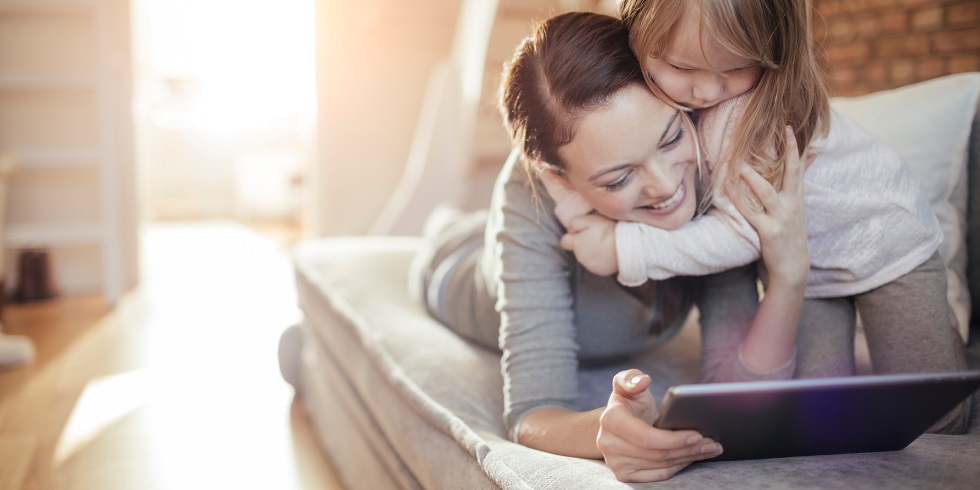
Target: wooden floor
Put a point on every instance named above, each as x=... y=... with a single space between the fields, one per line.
x=176 y=387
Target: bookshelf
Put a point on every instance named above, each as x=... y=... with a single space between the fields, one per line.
x=64 y=103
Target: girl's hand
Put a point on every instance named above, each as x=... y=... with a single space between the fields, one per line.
x=569 y=204
x=592 y=238
x=780 y=221
x=634 y=449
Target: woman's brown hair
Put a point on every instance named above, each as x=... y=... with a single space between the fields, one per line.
x=572 y=64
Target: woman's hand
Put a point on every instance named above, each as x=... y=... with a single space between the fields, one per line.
x=634 y=449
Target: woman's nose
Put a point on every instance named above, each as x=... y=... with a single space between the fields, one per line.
x=659 y=182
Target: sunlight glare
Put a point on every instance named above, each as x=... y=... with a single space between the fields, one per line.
x=103 y=402
x=247 y=63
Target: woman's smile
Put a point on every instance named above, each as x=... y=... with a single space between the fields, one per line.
x=632 y=159
x=668 y=205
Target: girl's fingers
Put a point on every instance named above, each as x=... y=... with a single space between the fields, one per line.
x=796 y=165
x=792 y=180
x=740 y=203
x=760 y=187
x=793 y=175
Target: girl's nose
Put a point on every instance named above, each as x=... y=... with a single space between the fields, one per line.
x=707 y=89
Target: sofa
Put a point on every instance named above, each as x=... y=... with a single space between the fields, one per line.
x=399 y=401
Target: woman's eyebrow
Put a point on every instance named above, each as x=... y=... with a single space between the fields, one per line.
x=670 y=124
x=663 y=135
x=605 y=171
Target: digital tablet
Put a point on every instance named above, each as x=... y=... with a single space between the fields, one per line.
x=773 y=419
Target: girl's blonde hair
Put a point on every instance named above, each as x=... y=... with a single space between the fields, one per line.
x=775 y=33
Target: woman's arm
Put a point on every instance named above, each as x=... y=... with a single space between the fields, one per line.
x=531 y=277
x=621 y=433
x=539 y=362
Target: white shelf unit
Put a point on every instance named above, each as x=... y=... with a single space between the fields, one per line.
x=58 y=71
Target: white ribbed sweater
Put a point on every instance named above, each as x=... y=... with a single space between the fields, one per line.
x=868 y=220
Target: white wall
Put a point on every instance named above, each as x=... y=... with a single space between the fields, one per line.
x=373 y=61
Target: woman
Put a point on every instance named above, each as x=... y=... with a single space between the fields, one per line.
x=575 y=102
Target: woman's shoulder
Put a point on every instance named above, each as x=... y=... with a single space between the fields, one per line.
x=520 y=198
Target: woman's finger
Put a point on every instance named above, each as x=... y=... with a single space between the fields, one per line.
x=658 y=474
x=703 y=449
x=628 y=459
x=636 y=436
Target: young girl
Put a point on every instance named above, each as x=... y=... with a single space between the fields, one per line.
x=574 y=99
x=748 y=68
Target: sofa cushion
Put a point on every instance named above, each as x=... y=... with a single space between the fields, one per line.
x=392 y=391
x=930 y=125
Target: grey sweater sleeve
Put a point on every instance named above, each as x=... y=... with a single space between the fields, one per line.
x=534 y=297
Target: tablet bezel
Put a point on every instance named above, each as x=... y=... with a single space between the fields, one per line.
x=769 y=419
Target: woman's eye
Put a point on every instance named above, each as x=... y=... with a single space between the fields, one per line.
x=678 y=136
x=619 y=183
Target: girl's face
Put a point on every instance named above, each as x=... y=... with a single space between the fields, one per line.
x=633 y=160
x=695 y=71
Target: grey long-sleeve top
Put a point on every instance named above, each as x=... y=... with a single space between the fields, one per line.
x=553 y=312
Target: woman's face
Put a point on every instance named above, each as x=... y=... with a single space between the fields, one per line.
x=634 y=160
x=695 y=71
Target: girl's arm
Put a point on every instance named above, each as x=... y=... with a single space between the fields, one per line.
x=781 y=224
x=720 y=240
x=743 y=339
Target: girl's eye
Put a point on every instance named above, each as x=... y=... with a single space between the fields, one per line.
x=619 y=183
x=678 y=136
x=678 y=68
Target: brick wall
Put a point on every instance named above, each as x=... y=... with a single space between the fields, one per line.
x=868 y=45
x=873 y=45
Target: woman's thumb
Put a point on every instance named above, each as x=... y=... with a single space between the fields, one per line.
x=631 y=382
